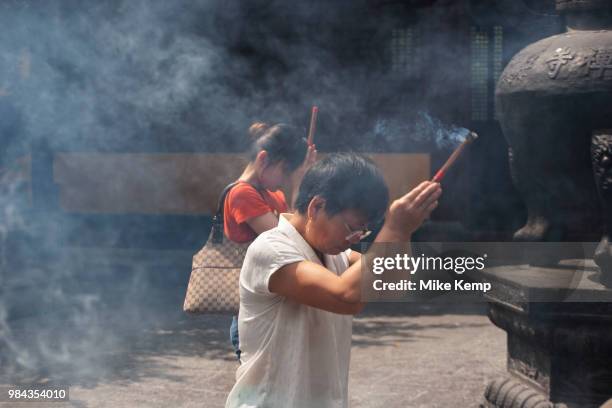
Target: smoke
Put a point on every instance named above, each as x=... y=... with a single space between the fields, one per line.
x=101 y=76
x=106 y=75
x=191 y=76
x=445 y=135
x=423 y=130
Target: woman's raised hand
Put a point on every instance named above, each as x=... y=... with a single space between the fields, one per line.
x=407 y=213
x=309 y=160
x=311 y=157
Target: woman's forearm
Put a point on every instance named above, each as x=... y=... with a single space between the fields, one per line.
x=353 y=276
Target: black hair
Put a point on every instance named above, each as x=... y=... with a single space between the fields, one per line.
x=281 y=142
x=346 y=181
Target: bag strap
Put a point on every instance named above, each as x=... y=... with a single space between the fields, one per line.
x=217 y=223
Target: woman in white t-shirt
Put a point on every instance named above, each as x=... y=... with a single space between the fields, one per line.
x=300 y=284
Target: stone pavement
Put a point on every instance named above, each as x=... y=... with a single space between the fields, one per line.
x=403 y=355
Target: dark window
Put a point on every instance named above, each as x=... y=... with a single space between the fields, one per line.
x=479 y=74
x=405 y=54
x=486 y=68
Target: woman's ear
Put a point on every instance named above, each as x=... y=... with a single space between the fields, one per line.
x=316 y=205
x=261 y=160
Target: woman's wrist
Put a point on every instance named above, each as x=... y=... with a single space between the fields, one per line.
x=391 y=234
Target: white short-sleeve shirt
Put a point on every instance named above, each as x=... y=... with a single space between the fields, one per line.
x=293 y=355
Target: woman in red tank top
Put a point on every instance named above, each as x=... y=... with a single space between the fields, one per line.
x=279 y=155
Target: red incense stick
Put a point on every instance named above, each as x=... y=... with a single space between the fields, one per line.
x=453 y=157
x=313 y=125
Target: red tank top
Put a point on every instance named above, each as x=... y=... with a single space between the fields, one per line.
x=244 y=202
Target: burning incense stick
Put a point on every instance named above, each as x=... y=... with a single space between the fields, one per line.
x=453 y=157
x=313 y=125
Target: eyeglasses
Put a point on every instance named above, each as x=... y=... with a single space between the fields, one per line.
x=360 y=233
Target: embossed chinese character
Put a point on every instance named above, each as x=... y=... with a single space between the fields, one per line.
x=601 y=63
x=560 y=58
x=583 y=63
